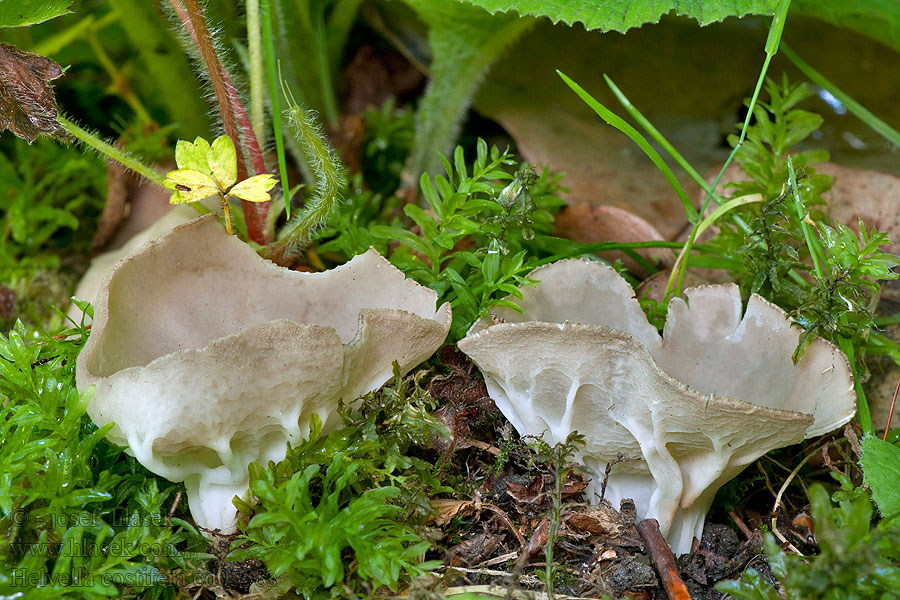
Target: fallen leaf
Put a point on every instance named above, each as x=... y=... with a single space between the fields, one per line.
x=552 y=126
x=868 y=195
x=573 y=486
x=27 y=102
x=599 y=520
x=590 y=224
x=533 y=493
x=472 y=551
x=538 y=539
x=589 y=524
x=448 y=509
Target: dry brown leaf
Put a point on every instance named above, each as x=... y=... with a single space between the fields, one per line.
x=538 y=539
x=27 y=103
x=586 y=523
x=473 y=550
x=573 y=486
x=447 y=509
x=552 y=126
x=872 y=196
x=590 y=224
x=533 y=493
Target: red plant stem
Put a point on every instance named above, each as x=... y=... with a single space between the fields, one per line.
x=260 y=209
x=887 y=425
x=191 y=16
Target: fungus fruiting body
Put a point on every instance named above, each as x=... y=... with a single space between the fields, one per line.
x=207 y=357
x=679 y=414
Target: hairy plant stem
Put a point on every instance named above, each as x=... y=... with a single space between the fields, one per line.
x=329 y=172
x=110 y=151
x=232 y=110
x=203 y=40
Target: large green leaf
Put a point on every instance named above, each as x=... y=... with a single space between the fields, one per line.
x=620 y=15
x=881 y=468
x=16 y=13
x=877 y=19
x=465 y=41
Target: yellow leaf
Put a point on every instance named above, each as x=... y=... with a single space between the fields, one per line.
x=190 y=186
x=254 y=189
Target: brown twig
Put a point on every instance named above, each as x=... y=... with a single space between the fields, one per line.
x=887 y=425
x=504 y=518
x=175 y=504
x=494 y=450
x=740 y=524
x=663 y=560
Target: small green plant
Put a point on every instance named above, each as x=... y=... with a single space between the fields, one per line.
x=476 y=243
x=558 y=459
x=772 y=253
x=206 y=170
x=856 y=560
x=80 y=519
x=45 y=194
x=836 y=297
x=341 y=508
x=314 y=528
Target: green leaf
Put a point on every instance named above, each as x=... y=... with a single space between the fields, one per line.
x=877 y=19
x=254 y=189
x=881 y=468
x=464 y=41
x=622 y=16
x=222 y=160
x=192 y=155
x=17 y=13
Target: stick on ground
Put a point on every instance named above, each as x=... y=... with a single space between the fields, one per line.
x=663 y=560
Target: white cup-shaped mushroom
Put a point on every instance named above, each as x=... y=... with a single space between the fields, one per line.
x=207 y=357
x=689 y=409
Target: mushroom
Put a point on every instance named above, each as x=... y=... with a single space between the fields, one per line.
x=89 y=285
x=207 y=357
x=687 y=411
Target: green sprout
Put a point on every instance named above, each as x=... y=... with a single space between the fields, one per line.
x=206 y=170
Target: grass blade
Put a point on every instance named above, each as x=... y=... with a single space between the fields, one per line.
x=616 y=121
x=858 y=110
x=275 y=98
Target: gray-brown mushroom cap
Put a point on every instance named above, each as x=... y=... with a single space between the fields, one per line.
x=691 y=408
x=208 y=357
